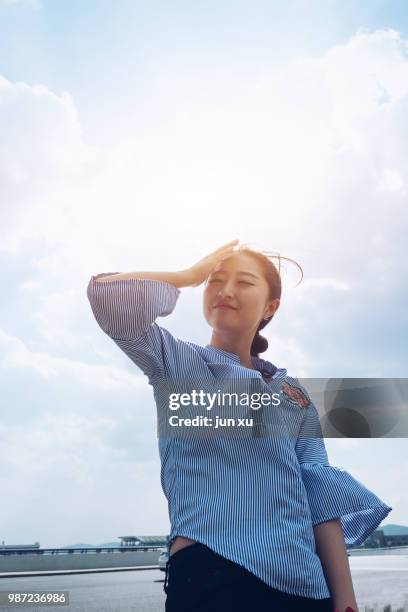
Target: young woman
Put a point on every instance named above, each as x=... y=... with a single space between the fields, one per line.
x=257 y=522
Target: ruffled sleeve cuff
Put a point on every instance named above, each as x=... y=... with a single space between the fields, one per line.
x=333 y=493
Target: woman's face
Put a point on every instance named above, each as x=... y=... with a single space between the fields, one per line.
x=237 y=281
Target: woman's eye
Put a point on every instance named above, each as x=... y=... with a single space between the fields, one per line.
x=216 y=280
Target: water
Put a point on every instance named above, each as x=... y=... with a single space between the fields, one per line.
x=380 y=580
x=376 y=552
x=124 y=591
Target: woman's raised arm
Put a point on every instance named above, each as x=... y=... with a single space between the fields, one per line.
x=126 y=306
x=178 y=279
x=190 y=277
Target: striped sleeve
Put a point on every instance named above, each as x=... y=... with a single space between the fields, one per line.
x=126 y=311
x=333 y=492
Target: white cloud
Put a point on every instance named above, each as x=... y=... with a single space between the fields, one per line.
x=67 y=465
x=33 y=4
x=18 y=360
x=59 y=440
x=42 y=156
x=310 y=147
x=306 y=158
x=392 y=181
x=323 y=283
x=368 y=461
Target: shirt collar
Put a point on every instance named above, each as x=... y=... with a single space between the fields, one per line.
x=266 y=367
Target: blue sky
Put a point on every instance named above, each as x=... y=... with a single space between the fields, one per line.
x=142 y=136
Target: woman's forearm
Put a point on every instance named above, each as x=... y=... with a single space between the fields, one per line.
x=190 y=277
x=331 y=548
x=178 y=279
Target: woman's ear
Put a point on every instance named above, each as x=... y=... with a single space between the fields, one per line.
x=272 y=308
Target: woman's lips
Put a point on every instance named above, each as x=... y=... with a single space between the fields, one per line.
x=223 y=307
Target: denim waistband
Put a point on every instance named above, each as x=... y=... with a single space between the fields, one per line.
x=186 y=551
x=194 y=557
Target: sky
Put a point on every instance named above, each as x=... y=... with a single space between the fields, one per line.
x=142 y=137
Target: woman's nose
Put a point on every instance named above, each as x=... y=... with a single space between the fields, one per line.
x=226 y=291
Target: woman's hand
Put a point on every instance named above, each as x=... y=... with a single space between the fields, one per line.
x=200 y=271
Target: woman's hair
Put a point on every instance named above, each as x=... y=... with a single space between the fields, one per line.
x=272 y=276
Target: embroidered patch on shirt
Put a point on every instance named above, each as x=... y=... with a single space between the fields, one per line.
x=295 y=395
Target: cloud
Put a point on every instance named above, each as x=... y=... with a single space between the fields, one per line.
x=325 y=283
x=36 y=5
x=306 y=158
x=74 y=431
x=42 y=155
x=365 y=460
x=16 y=356
x=71 y=460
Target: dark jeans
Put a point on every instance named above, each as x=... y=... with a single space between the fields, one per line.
x=200 y=580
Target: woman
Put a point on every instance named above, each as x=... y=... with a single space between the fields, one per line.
x=258 y=521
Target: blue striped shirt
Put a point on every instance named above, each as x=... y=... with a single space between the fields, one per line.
x=252 y=500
